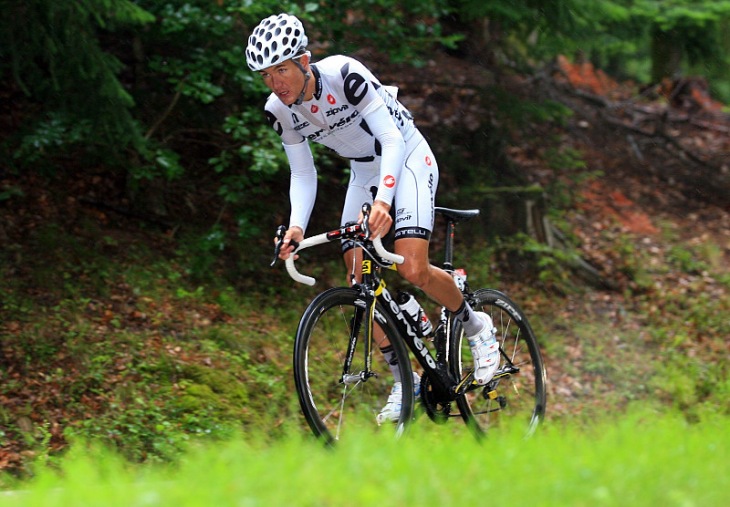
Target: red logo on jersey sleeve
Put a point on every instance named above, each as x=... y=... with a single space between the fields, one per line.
x=331 y=99
x=389 y=181
x=315 y=108
x=428 y=161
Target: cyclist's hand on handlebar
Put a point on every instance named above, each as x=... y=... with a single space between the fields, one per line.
x=380 y=220
x=289 y=242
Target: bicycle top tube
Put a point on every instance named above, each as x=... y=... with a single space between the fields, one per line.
x=354 y=231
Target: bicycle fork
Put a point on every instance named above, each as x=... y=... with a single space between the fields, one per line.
x=364 y=316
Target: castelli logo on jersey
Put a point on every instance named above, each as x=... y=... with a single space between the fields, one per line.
x=315 y=108
x=331 y=99
x=428 y=160
x=389 y=181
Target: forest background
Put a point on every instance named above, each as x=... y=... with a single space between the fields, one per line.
x=140 y=186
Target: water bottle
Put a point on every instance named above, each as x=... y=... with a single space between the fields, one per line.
x=410 y=306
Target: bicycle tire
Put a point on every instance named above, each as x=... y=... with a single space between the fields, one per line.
x=519 y=397
x=329 y=405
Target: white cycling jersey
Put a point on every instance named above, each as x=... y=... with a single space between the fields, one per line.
x=356 y=116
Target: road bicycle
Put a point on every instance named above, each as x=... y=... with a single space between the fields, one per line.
x=342 y=379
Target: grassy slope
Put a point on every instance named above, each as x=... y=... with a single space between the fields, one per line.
x=635 y=460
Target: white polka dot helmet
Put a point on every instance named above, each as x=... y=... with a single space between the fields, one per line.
x=276 y=39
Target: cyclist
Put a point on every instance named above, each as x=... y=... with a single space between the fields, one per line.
x=339 y=103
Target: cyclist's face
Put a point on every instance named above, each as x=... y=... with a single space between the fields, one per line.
x=286 y=80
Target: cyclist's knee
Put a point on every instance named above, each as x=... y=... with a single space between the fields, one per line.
x=416 y=273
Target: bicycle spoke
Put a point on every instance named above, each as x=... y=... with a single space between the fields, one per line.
x=342 y=411
x=517 y=391
x=336 y=389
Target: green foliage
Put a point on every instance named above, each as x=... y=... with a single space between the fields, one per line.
x=128 y=347
x=691 y=30
x=529 y=27
x=51 y=136
x=210 y=400
x=684 y=260
x=672 y=463
x=521 y=14
x=10 y=192
x=113 y=87
x=633 y=262
x=565 y=159
x=193 y=73
x=205 y=250
x=382 y=25
x=679 y=14
x=571 y=170
x=617 y=35
x=57 y=59
x=689 y=314
x=520 y=113
x=552 y=267
x=696 y=390
x=247 y=169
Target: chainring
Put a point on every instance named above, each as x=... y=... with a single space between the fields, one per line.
x=437 y=410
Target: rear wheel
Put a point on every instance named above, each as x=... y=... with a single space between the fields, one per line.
x=517 y=393
x=333 y=397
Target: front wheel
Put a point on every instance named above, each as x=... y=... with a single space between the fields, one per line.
x=517 y=393
x=336 y=389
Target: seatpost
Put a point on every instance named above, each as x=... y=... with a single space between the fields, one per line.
x=449 y=247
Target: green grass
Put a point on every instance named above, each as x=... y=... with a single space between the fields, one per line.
x=638 y=460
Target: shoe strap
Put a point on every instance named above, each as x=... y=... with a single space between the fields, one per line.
x=486 y=361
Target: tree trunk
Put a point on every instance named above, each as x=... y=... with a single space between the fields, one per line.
x=666 y=55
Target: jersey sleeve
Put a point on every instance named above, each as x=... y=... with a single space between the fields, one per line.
x=361 y=89
x=303 y=175
x=303 y=183
x=393 y=151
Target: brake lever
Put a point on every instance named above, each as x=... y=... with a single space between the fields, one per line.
x=365 y=216
x=280 y=231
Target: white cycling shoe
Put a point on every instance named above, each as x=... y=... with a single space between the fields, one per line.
x=391 y=410
x=485 y=351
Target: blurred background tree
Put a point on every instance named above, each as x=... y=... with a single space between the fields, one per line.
x=640 y=39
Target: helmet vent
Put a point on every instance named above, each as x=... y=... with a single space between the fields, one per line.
x=276 y=38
